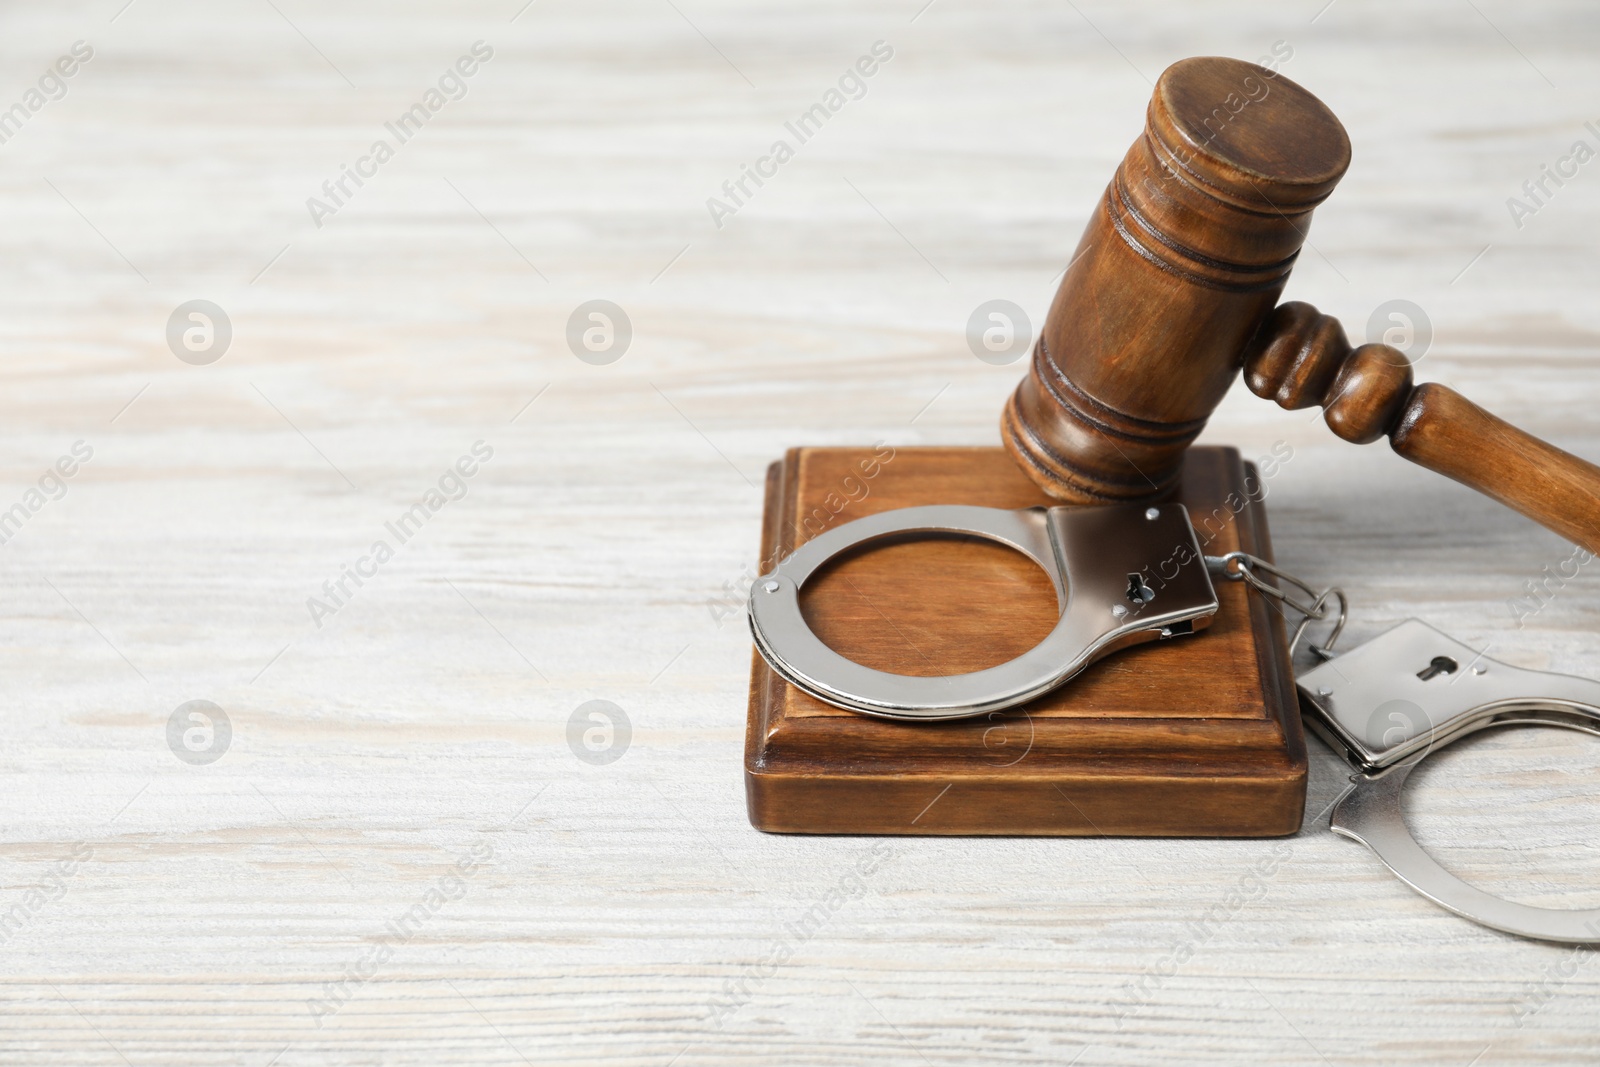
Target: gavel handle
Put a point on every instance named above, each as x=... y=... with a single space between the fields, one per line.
x=1450 y=435
x=1300 y=358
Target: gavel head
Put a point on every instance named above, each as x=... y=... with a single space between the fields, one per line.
x=1182 y=261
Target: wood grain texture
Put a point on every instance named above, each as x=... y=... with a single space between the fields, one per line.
x=1183 y=258
x=1300 y=358
x=626 y=900
x=1197 y=736
x=1445 y=432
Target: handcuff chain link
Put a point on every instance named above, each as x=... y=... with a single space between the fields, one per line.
x=1242 y=567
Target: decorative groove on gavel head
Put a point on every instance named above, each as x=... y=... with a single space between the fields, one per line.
x=1171 y=292
x=1182 y=260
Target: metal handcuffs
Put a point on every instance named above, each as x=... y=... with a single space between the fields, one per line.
x=1411 y=691
x=1124 y=575
x=1098 y=560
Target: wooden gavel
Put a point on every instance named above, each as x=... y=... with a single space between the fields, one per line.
x=1171 y=293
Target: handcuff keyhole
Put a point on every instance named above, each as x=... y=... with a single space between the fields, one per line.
x=1440 y=665
x=1138 y=591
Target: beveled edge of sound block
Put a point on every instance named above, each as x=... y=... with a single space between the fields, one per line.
x=1194 y=777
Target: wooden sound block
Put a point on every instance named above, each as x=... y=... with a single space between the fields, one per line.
x=1198 y=736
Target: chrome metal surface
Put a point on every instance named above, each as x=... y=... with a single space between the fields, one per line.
x=1242 y=566
x=1369 y=812
x=1093 y=557
x=1412 y=690
x=1375 y=705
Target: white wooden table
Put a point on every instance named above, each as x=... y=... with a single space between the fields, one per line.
x=297 y=901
